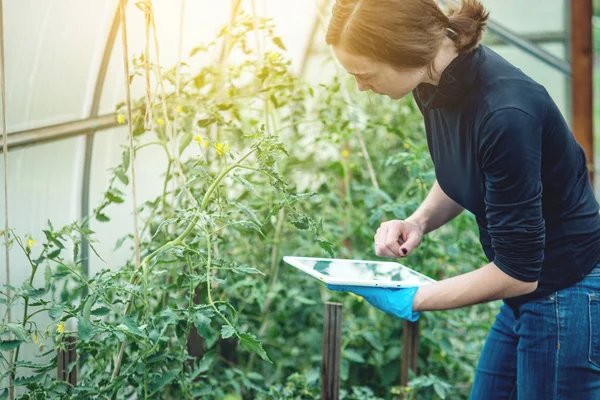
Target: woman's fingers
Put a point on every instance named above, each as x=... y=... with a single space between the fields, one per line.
x=413 y=239
x=395 y=239
x=386 y=240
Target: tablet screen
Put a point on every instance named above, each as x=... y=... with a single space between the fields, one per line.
x=353 y=270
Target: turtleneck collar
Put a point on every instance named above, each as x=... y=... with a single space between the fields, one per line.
x=455 y=82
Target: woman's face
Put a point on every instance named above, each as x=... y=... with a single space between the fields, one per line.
x=379 y=77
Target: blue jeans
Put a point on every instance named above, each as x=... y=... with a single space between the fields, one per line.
x=551 y=351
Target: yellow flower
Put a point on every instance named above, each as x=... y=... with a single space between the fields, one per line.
x=179 y=109
x=359 y=298
x=205 y=144
x=60 y=328
x=222 y=148
x=35 y=338
x=406 y=145
x=160 y=121
x=198 y=139
x=273 y=56
x=30 y=243
x=345 y=153
x=407 y=388
x=121 y=119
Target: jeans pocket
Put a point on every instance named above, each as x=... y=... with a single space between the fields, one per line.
x=594 y=315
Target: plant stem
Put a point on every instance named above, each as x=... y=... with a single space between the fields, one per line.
x=34 y=268
x=178 y=241
x=208 y=276
x=189 y=325
x=273 y=280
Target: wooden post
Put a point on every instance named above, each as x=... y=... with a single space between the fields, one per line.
x=66 y=357
x=582 y=84
x=410 y=347
x=195 y=342
x=332 y=348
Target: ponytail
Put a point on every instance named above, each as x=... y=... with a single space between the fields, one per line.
x=466 y=24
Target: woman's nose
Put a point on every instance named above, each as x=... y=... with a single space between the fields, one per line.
x=361 y=86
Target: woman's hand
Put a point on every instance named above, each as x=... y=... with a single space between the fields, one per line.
x=395 y=239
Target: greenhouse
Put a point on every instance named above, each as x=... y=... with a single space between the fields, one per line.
x=279 y=199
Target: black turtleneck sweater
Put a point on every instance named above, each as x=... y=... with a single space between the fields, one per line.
x=503 y=151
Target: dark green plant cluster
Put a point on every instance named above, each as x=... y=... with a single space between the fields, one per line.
x=264 y=165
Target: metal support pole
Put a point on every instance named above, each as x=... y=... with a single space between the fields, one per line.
x=582 y=84
x=332 y=352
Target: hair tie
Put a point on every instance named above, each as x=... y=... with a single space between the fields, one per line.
x=451 y=33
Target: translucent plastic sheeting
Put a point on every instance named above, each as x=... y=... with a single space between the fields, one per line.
x=43 y=184
x=203 y=19
x=52 y=52
x=531 y=16
x=150 y=172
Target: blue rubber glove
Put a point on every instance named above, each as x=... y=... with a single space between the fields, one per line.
x=397 y=302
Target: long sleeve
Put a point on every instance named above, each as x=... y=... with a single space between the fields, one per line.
x=510 y=155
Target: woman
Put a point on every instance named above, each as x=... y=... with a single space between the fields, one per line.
x=501 y=150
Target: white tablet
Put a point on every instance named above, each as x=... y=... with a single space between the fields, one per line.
x=359 y=272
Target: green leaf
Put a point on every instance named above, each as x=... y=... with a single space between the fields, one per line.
x=18 y=331
x=352 y=355
x=114 y=197
x=227 y=331
x=372 y=339
x=100 y=311
x=48 y=278
x=202 y=322
x=120 y=243
x=85 y=331
x=122 y=176
x=246 y=270
x=87 y=309
x=186 y=139
x=102 y=217
x=249 y=342
x=133 y=327
x=84 y=325
x=255 y=376
x=164 y=380
x=203 y=123
x=279 y=43
x=327 y=246
x=30 y=379
x=195 y=51
x=36 y=293
x=302 y=222
x=126 y=159
x=56 y=311
x=206 y=361
x=252 y=225
x=53 y=254
x=7 y=345
x=248 y=212
x=439 y=390
x=52 y=238
x=4 y=394
x=446 y=345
